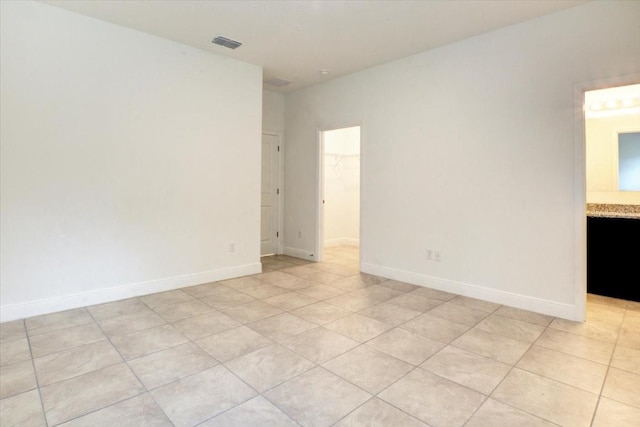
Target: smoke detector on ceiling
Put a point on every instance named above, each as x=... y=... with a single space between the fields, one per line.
x=277 y=82
x=223 y=41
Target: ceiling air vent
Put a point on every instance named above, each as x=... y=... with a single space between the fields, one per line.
x=275 y=81
x=223 y=41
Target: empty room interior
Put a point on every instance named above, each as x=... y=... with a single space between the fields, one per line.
x=320 y=213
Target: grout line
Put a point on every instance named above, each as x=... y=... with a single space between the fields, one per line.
x=35 y=373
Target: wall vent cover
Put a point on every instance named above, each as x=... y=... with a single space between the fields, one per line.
x=223 y=41
x=277 y=82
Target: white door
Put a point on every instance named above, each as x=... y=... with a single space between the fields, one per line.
x=269 y=205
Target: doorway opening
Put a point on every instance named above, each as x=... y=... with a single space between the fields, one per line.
x=339 y=195
x=612 y=175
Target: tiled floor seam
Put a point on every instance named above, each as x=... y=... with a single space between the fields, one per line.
x=35 y=374
x=511 y=370
x=606 y=375
x=126 y=362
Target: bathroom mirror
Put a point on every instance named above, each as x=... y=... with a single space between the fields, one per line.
x=629 y=161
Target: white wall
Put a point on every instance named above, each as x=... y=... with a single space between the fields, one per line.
x=601 y=135
x=342 y=187
x=469 y=150
x=129 y=163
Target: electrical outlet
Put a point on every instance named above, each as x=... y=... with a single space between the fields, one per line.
x=436 y=256
x=232 y=247
x=429 y=254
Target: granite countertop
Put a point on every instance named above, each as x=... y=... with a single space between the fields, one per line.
x=613 y=211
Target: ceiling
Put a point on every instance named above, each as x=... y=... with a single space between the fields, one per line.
x=294 y=40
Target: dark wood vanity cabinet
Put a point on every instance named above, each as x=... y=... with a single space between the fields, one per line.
x=613 y=257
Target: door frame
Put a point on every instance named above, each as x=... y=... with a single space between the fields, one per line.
x=580 y=184
x=280 y=185
x=319 y=208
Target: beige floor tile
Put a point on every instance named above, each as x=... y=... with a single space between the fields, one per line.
x=290 y=301
x=405 y=345
x=76 y=336
x=379 y=292
x=255 y=412
x=497 y=347
x=432 y=399
x=603 y=300
x=368 y=368
x=322 y=292
x=16 y=378
x=233 y=343
x=56 y=321
x=299 y=271
x=493 y=414
x=323 y=277
x=132 y=322
x=22 y=410
x=75 y=362
x=13 y=330
x=319 y=345
x=475 y=304
x=633 y=306
x=182 y=310
x=577 y=345
x=321 y=313
x=415 y=302
x=196 y=398
x=138 y=344
x=511 y=328
x=357 y=327
x=78 y=396
x=224 y=298
x=546 y=398
x=204 y=325
x=102 y=312
x=269 y=366
x=274 y=277
x=317 y=398
x=294 y=283
x=468 y=369
x=524 y=315
x=371 y=278
x=378 y=413
x=597 y=329
x=342 y=270
x=435 y=328
x=281 y=326
x=14 y=351
x=204 y=290
x=458 y=314
x=629 y=337
x=615 y=414
x=627 y=359
x=139 y=411
x=389 y=313
x=399 y=286
x=168 y=365
x=352 y=301
x=565 y=368
x=241 y=282
x=433 y=294
x=264 y=291
x=351 y=283
x=622 y=386
x=168 y=297
x=251 y=312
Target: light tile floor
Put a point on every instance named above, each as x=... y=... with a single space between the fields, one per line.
x=318 y=345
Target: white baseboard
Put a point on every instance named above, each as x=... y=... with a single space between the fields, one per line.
x=538 y=305
x=300 y=253
x=99 y=296
x=343 y=241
